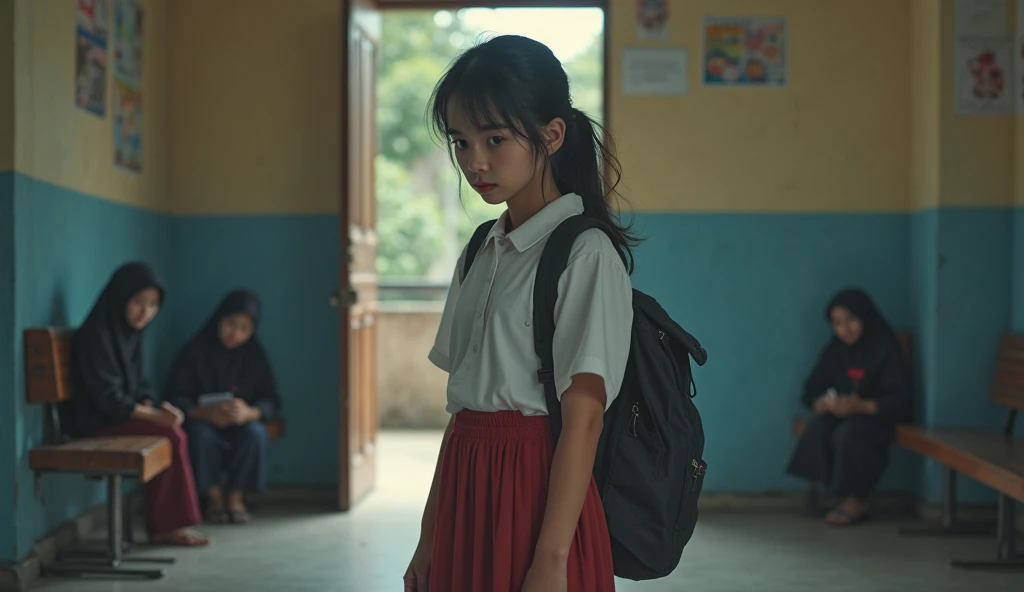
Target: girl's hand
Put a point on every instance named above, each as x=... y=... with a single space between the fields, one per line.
x=824 y=404
x=848 y=405
x=546 y=576
x=417 y=577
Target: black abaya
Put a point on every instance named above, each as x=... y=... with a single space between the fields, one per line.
x=107 y=356
x=204 y=365
x=851 y=454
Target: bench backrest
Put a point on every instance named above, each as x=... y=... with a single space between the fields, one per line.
x=1008 y=381
x=48 y=374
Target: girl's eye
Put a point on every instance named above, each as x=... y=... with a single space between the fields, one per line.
x=496 y=140
x=459 y=144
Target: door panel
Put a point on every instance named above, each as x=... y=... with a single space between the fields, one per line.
x=358 y=331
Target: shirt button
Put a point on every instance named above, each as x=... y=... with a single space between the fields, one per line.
x=475 y=348
x=501 y=243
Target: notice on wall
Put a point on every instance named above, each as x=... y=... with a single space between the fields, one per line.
x=983 y=67
x=746 y=52
x=652 y=19
x=128 y=60
x=91 y=56
x=980 y=18
x=1018 y=50
x=655 y=71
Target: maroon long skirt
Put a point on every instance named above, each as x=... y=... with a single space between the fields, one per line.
x=170 y=497
x=490 y=507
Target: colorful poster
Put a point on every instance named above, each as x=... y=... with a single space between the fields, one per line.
x=979 y=18
x=748 y=52
x=128 y=40
x=91 y=17
x=1018 y=49
x=91 y=56
x=128 y=59
x=652 y=19
x=983 y=67
x=127 y=126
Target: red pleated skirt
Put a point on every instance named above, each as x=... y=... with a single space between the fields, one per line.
x=490 y=506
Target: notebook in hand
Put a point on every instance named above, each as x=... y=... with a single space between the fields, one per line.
x=208 y=399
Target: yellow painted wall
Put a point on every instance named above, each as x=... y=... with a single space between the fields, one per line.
x=255 y=106
x=56 y=141
x=837 y=139
x=977 y=152
x=926 y=102
x=6 y=86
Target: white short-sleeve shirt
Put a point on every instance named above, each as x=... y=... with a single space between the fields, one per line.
x=485 y=340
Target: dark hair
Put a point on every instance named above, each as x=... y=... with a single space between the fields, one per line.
x=518 y=83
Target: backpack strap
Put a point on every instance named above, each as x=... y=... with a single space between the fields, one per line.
x=475 y=242
x=553 y=261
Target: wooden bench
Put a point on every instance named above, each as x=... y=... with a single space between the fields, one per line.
x=48 y=381
x=993 y=458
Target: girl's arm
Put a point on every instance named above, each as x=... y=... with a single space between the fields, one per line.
x=427 y=524
x=582 y=419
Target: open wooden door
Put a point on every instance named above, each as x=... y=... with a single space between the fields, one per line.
x=360 y=29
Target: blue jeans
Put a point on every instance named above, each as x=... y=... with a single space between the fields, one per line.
x=240 y=452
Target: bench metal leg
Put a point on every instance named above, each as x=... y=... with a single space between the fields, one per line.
x=1006 y=556
x=107 y=563
x=948 y=525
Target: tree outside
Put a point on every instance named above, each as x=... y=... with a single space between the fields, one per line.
x=425 y=215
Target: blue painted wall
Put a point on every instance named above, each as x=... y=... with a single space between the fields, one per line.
x=7 y=417
x=962 y=286
x=753 y=288
x=1018 y=269
x=66 y=245
x=292 y=262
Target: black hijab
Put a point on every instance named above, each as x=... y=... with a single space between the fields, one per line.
x=204 y=365
x=877 y=334
x=107 y=354
x=874 y=367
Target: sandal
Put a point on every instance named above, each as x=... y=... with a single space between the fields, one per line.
x=240 y=516
x=217 y=517
x=839 y=517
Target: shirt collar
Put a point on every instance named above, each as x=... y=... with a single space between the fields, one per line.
x=541 y=224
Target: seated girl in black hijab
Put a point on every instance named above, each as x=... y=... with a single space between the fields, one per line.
x=114 y=398
x=859 y=391
x=225 y=358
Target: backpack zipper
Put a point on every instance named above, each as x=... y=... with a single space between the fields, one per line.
x=632 y=421
x=699 y=470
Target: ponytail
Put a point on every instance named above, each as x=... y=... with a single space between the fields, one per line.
x=586 y=165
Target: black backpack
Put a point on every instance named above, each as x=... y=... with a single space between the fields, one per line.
x=649 y=467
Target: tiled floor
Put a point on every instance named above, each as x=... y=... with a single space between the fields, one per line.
x=367 y=551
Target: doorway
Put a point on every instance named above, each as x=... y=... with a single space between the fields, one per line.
x=421 y=219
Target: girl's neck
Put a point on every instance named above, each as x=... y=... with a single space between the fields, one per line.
x=532 y=199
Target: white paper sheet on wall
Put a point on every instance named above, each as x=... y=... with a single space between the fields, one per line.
x=655 y=71
x=982 y=67
x=980 y=18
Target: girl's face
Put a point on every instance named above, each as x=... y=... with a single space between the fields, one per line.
x=235 y=330
x=142 y=307
x=497 y=163
x=846 y=325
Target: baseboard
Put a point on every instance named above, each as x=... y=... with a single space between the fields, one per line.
x=897 y=502
x=291 y=495
x=23 y=573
